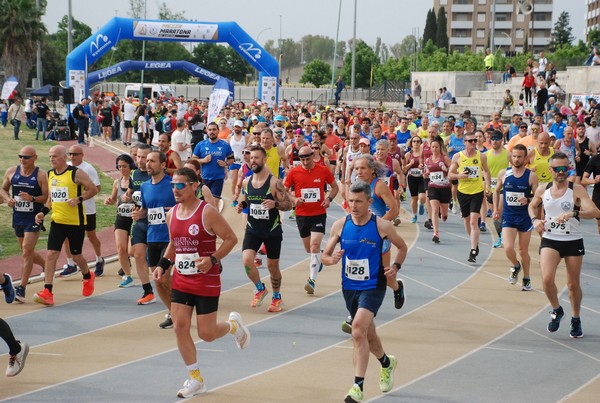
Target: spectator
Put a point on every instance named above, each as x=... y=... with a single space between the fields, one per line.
x=528 y=82
x=489 y=65
x=509 y=73
x=508 y=101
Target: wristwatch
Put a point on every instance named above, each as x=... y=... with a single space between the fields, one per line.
x=213 y=260
x=330 y=199
x=80 y=199
x=398 y=265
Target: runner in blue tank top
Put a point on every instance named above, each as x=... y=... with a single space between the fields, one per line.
x=516 y=185
x=361 y=235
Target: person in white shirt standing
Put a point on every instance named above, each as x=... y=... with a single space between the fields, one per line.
x=542 y=62
x=128 y=118
x=182 y=107
x=181 y=139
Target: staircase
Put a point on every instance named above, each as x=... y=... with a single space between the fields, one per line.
x=483 y=103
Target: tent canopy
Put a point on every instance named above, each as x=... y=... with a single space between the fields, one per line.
x=44 y=91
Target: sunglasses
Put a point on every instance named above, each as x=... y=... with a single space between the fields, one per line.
x=496 y=138
x=25 y=157
x=315 y=148
x=471 y=141
x=560 y=169
x=246 y=152
x=180 y=185
x=305 y=156
x=74 y=154
x=256 y=133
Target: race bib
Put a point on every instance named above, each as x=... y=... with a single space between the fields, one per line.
x=156 y=216
x=23 y=206
x=258 y=212
x=403 y=146
x=555 y=227
x=237 y=160
x=59 y=194
x=473 y=171
x=493 y=183
x=436 y=178
x=415 y=172
x=296 y=163
x=137 y=197
x=125 y=209
x=311 y=195
x=357 y=269
x=387 y=180
x=185 y=263
x=512 y=198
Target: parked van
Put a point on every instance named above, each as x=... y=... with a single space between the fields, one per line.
x=151 y=91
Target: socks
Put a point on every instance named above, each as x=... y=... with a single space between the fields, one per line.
x=385 y=361
x=276 y=295
x=147 y=289
x=194 y=372
x=232 y=327
x=315 y=264
x=70 y=261
x=260 y=286
x=359 y=382
x=48 y=286
x=98 y=259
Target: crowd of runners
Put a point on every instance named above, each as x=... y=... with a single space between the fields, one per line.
x=291 y=163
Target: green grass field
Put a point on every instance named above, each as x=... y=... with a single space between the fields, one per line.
x=8 y=157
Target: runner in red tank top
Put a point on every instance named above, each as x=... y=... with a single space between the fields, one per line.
x=194 y=226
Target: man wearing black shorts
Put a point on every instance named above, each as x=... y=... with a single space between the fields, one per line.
x=308 y=182
x=565 y=204
x=69 y=188
x=265 y=196
x=593 y=168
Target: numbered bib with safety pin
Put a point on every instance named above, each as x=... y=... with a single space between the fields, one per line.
x=125 y=209
x=59 y=194
x=357 y=269
x=23 y=206
x=156 y=216
x=512 y=198
x=493 y=183
x=258 y=212
x=311 y=195
x=437 y=178
x=555 y=227
x=185 y=263
x=415 y=172
x=473 y=172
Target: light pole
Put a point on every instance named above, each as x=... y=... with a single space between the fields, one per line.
x=337 y=34
x=352 y=82
x=263 y=30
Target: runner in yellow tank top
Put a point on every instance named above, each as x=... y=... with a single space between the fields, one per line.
x=468 y=167
x=276 y=155
x=63 y=188
x=539 y=159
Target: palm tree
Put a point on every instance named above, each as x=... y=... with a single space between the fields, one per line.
x=20 y=28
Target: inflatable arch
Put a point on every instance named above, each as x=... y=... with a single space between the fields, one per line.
x=119 y=28
x=127 y=65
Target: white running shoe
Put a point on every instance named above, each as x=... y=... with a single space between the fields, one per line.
x=191 y=388
x=242 y=334
x=16 y=363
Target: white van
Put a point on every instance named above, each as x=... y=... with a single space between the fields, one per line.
x=151 y=91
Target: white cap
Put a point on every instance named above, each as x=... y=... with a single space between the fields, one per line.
x=238 y=123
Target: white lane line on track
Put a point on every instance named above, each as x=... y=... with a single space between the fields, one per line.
x=510 y=349
x=579 y=389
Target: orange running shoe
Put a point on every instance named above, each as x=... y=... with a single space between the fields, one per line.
x=88 y=285
x=259 y=296
x=257 y=262
x=146 y=299
x=276 y=305
x=44 y=297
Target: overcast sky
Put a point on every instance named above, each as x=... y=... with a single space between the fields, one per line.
x=391 y=20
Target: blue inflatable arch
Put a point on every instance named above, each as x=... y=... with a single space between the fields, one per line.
x=118 y=29
x=127 y=65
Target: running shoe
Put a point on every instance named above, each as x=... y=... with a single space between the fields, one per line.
x=44 y=297
x=397 y=221
x=241 y=334
x=482 y=227
x=88 y=285
x=9 y=289
x=347 y=325
x=489 y=213
x=68 y=271
x=455 y=207
x=99 y=272
x=399 y=297
x=259 y=296
x=498 y=243
x=472 y=256
x=526 y=285
x=428 y=224
x=146 y=299
x=386 y=375
x=576 y=331
x=168 y=322
x=555 y=317
x=234 y=203
x=309 y=287
x=16 y=363
x=121 y=272
x=127 y=282
x=421 y=209
x=436 y=238
x=276 y=305
x=355 y=395
x=191 y=388
x=20 y=294
x=292 y=215
x=514 y=273
x=257 y=262
x=263 y=250
x=413 y=219
x=403 y=196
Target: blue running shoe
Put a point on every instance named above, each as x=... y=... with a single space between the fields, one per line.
x=9 y=289
x=555 y=317
x=99 y=272
x=421 y=209
x=576 y=331
x=127 y=282
x=498 y=243
x=68 y=271
x=414 y=219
